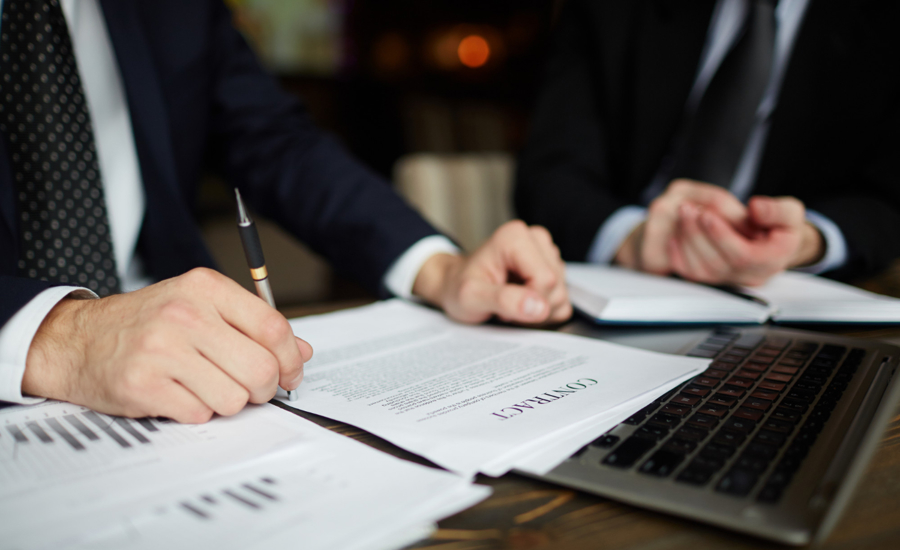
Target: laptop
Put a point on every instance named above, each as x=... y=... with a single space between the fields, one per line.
x=770 y=441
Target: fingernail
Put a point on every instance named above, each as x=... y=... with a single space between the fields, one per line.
x=297 y=379
x=532 y=307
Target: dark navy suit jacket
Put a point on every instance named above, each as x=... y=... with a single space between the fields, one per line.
x=200 y=102
x=614 y=98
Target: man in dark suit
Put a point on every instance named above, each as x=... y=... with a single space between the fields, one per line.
x=721 y=140
x=110 y=111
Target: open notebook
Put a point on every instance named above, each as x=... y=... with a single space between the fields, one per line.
x=613 y=295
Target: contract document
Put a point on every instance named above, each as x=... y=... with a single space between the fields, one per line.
x=73 y=478
x=475 y=399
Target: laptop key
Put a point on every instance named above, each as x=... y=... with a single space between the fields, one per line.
x=676 y=410
x=685 y=400
x=748 y=414
x=752 y=463
x=761 y=450
x=780 y=426
x=668 y=421
x=787 y=415
x=704 y=353
x=605 y=441
x=696 y=391
x=772 y=438
x=627 y=453
x=728 y=437
x=703 y=420
x=713 y=409
x=718 y=451
x=661 y=463
x=693 y=433
x=652 y=432
x=741 y=425
x=700 y=470
x=723 y=400
x=680 y=445
x=731 y=391
x=737 y=482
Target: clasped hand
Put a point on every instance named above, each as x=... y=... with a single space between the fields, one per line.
x=703 y=233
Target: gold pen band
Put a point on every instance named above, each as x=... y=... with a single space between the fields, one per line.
x=259 y=273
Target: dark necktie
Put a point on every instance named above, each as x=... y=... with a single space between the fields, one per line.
x=717 y=134
x=64 y=229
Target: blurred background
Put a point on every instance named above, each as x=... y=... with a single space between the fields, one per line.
x=433 y=95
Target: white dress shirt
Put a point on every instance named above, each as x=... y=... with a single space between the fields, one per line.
x=727 y=19
x=124 y=193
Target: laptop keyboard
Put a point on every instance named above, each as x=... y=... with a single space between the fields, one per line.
x=746 y=424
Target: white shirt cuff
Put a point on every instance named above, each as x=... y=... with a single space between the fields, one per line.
x=15 y=340
x=613 y=233
x=835 y=245
x=401 y=276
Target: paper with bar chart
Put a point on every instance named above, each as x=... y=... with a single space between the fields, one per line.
x=263 y=477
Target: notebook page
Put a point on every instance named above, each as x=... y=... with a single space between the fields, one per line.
x=614 y=294
x=801 y=297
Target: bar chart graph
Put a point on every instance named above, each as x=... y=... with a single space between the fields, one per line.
x=56 y=440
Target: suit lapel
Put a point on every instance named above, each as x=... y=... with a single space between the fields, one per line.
x=7 y=192
x=667 y=51
x=145 y=98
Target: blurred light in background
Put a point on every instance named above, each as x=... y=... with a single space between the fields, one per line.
x=296 y=36
x=473 y=51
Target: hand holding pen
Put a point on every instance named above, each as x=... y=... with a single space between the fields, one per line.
x=256 y=261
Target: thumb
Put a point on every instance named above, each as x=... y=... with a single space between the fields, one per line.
x=510 y=302
x=776 y=212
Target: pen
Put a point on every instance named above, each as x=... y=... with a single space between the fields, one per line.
x=255 y=260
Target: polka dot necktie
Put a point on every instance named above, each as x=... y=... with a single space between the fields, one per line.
x=64 y=229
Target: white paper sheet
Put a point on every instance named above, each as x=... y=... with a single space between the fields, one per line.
x=470 y=398
x=320 y=490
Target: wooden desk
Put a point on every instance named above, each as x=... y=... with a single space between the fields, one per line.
x=527 y=514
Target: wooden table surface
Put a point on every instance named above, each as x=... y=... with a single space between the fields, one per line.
x=524 y=513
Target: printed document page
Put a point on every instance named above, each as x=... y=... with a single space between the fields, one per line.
x=319 y=491
x=472 y=398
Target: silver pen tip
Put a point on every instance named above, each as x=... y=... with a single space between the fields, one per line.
x=243 y=217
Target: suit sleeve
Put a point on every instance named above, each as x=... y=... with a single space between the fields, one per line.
x=299 y=176
x=564 y=179
x=868 y=212
x=17 y=291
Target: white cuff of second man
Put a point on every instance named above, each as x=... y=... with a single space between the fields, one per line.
x=835 y=245
x=15 y=340
x=613 y=233
x=401 y=276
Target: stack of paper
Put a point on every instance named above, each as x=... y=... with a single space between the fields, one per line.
x=72 y=478
x=475 y=399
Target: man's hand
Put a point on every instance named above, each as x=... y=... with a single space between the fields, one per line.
x=184 y=348
x=708 y=249
x=517 y=275
x=647 y=248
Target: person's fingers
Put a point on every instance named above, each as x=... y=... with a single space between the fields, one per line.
x=777 y=211
x=306 y=350
x=736 y=249
x=710 y=196
x=520 y=253
x=510 y=302
x=676 y=256
x=558 y=297
x=705 y=260
x=247 y=362
x=250 y=315
x=211 y=385
x=172 y=400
